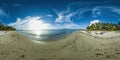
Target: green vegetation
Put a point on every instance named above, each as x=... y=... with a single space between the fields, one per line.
x=104 y=26
x=6 y=28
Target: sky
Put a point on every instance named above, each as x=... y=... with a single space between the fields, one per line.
x=58 y=14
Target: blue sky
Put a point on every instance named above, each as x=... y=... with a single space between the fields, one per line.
x=58 y=13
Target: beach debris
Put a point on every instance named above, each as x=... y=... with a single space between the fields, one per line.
x=108 y=56
x=117 y=53
x=22 y=56
x=96 y=33
x=101 y=33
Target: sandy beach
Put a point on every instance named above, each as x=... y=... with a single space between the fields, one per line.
x=77 y=46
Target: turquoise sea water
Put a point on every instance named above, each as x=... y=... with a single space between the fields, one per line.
x=47 y=34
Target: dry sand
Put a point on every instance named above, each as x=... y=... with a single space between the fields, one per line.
x=107 y=34
x=77 y=46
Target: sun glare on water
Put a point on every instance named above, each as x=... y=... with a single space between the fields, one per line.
x=37 y=32
x=37 y=26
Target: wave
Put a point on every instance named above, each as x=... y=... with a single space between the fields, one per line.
x=47 y=34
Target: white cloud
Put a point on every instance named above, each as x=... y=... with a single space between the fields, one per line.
x=68 y=17
x=68 y=26
x=2 y=13
x=94 y=21
x=60 y=17
x=64 y=20
x=30 y=23
x=49 y=15
x=71 y=26
x=64 y=16
x=35 y=23
x=98 y=10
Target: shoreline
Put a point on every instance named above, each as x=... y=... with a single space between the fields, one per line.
x=76 y=46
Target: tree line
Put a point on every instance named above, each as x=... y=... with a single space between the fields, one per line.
x=6 y=28
x=104 y=26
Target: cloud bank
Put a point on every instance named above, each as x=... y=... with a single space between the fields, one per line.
x=36 y=23
x=30 y=23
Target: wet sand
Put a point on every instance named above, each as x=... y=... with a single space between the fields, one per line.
x=76 y=46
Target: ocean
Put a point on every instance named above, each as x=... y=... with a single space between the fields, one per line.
x=47 y=34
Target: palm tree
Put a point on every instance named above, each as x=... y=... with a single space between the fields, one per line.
x=114 y=28
x=104 y=26
x=96 y=26
x=93 y=26
x=111 y=26
x=2 y=27
x=88 y=27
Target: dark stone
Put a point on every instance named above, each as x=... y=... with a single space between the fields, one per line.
x=105 y=52
x=22 y=56
x=98 y=54
x=118 y=53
